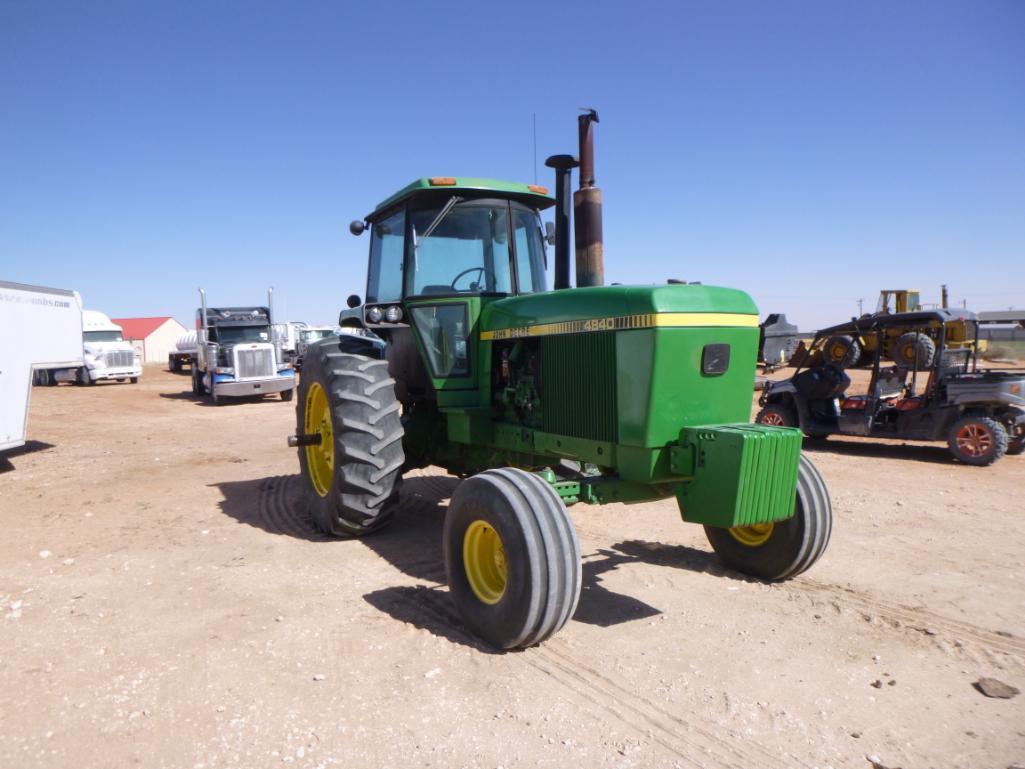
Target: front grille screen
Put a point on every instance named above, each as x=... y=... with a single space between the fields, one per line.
x=254 y=364
x=119 y=358
x=578 y=384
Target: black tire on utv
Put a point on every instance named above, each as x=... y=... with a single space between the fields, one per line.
x=782 y=549
x=352 y=478
x=911 y=346
x=841 y=350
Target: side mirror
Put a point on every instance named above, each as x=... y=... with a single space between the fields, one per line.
x=550 y=233
x=353 y=301
x=356 y=227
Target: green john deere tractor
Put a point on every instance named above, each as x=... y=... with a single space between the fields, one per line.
x=461 y=358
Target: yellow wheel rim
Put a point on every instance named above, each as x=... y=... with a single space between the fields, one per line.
x=755 y=535
x=320 y=459
x=484 y=561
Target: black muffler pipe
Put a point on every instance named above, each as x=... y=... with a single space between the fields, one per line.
x=563 y=165
x=587 y=210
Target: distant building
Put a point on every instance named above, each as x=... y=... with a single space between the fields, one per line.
x=152 y=338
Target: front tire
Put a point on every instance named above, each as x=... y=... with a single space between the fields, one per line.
x=353 y=476
x=512 y=558
x=976 y=440
x=287 y=395
x=781 y=549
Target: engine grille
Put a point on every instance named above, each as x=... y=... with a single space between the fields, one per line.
x=119 y=358
x=578 y=385
x=254 y=364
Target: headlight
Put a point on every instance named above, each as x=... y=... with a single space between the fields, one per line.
x=374 y=314
x=393 y=314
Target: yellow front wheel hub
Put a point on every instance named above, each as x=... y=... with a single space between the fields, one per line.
x=320 y=459
x=484 y=562
x=755 y=535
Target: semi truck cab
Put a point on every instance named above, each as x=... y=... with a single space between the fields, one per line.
x=106 y=353
x=236 y=355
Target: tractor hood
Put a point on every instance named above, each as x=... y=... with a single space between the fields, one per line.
x=609 y=308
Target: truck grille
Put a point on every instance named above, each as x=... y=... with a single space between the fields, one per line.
x=119 y=359
x=254 y=364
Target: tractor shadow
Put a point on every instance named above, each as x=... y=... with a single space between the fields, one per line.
x=884 y=450
x=29 y=447
x=412 y=544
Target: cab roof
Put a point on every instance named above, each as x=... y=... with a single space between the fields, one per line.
x=531 y=194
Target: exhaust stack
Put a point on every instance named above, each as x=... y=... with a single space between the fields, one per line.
x=202 y=304
x=563 y=165
x=587 y=210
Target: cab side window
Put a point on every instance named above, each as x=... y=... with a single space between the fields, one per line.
x=384 y=275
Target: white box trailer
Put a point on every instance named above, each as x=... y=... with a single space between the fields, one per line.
x=40 y=328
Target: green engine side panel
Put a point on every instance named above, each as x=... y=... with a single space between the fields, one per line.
x=661 y=386
x=743 y=474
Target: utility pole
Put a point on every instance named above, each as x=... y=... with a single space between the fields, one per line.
x=859 y=307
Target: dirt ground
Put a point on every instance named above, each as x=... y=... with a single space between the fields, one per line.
x=164 y=602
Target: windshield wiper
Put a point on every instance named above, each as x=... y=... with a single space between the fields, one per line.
x=437 y=219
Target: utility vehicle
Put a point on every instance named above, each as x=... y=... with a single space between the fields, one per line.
x=542 y=399
x=941 y=395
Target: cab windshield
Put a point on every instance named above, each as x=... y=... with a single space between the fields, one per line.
x=103 y=336
x=239 y=334
x=479 y=246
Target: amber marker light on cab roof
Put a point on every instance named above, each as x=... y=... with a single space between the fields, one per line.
x=538 y=189
x=442 y=181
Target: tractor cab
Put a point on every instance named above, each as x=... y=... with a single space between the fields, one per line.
x=442 y=249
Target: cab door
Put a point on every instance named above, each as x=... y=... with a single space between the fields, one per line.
x=454 y=264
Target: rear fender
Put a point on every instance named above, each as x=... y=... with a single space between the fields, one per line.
x=778 y=392
x=371 y=346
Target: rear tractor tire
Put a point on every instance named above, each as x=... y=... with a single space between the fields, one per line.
x=841 y=350
x=978 y=441
x=781 y=549
x=512 y=558
x=911 y=347
x=352 y=476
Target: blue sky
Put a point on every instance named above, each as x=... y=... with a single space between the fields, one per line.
x=810 y=153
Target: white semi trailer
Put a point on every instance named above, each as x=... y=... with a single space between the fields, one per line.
x=41 y=329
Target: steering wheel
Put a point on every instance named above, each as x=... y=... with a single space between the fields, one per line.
x=482 y=270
